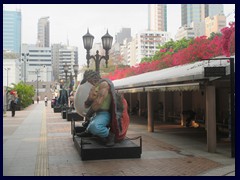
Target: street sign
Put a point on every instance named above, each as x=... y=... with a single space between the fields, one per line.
x=214 y=71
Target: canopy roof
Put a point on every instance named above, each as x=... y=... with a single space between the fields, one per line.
x=165 y=79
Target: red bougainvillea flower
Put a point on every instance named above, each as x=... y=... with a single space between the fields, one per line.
x=201 y=48
x=162 y=50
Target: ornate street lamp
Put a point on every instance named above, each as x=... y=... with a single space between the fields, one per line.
x=65 y=67
x=37 y=72
x=7 y=69
x=25 y=59
x=70 y=84
x=106 y=43
x=75 y=68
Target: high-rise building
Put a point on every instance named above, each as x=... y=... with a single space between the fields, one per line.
x=157 y=17
x=125 y=33
x=43 y=32
x=147 y=43
x=198 y=12
x=214 y=9
x=12 y=21
x=68 y=55
x=55 y=60
x=63 y=55
x=185 y=32
x=36 y=58
x=215 y=24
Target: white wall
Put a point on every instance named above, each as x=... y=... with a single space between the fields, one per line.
x=13 y=75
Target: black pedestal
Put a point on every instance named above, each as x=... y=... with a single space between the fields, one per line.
x=77 y=130
x=91 y=148
x=57 y=109
x=64 y=114
x=73 y=116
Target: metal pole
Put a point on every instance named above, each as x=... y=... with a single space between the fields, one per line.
x=232 y=79
x=24 y=61
x=97 y=61
x=75 y=81
x=47 y=74
x=71 y=78
x=6 y=92
x=37 y=83
x=7 y=88
x=65 y=78
x=24 y=69
x=7 y=69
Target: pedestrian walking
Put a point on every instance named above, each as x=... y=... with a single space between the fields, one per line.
x=13 y=107
x=46 y=100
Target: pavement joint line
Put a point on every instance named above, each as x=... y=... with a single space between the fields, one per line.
x=41 y=168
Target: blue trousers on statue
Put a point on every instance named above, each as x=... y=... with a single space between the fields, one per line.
x=98 y=124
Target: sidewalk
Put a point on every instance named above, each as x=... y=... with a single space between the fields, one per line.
x=38 y=142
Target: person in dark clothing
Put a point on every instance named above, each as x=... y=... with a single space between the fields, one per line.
x=63 y=98
x=136 y=108
x=190 y=115
x=13 y=107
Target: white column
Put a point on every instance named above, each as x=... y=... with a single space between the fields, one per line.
x=139 y=99
x=211 y=118
x=150 y=112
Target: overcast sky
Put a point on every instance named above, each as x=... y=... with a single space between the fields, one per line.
x=70 y=21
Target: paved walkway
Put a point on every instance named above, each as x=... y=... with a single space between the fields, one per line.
x=38 y=142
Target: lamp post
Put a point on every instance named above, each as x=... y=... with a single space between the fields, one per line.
x=65 y=67
x=106 y=43
x=37 y=71
x=75 y=68
x=7 y=69
x=24 y=59
x=70 y=84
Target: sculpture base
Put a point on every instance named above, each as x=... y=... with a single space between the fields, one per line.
x=64 y=114
x=57 y=109
x=90 y=148
x=73 y=116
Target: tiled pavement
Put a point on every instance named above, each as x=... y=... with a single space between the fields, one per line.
x=170 y=151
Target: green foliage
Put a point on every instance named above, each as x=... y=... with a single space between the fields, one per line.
x=168 y=48
x=25 y=93
x=146 y=59
x=213 y=34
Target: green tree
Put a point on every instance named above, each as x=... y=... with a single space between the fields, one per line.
x=146 y=59
x=213 y=34
x=25 y=93
x=169 y=48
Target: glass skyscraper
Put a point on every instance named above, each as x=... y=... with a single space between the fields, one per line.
x=12 y=21
x=198 y=12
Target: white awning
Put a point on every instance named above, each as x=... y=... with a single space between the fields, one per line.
x=161 y=79
x=175 y=87
x=132 y=90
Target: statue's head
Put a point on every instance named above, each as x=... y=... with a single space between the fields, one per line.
x=91 y=76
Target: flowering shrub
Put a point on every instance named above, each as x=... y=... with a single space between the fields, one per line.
x=200 y=48
x=228 y=39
